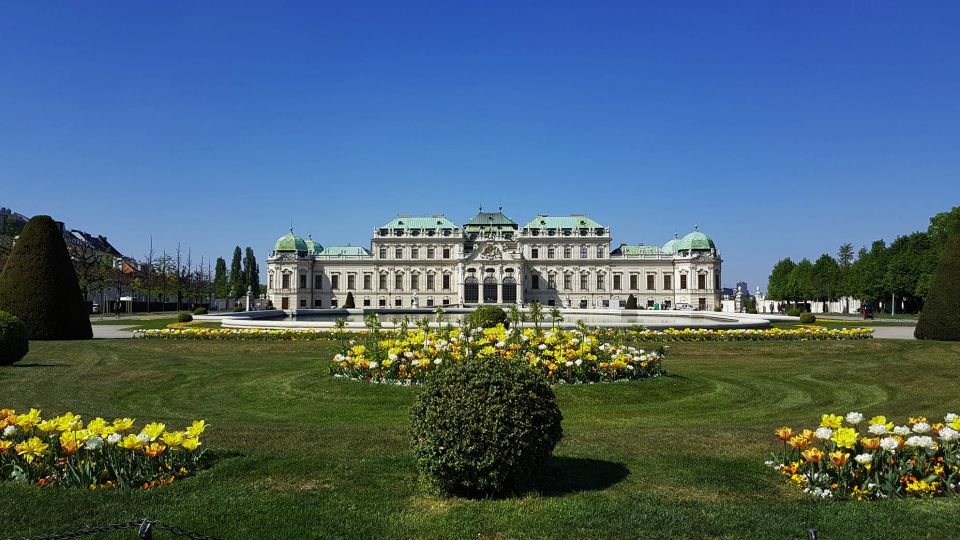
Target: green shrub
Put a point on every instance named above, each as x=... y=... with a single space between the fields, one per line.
x=752 y=311
x=349 y=303
x=940 y=319
x=39 y=285
x=184 y=317
x=487 y=317
x=793 y=312
x=238 y=309
x=13 y=339
x=484 y=427
x=807 y=318
x=200 y=311
x=631 y=302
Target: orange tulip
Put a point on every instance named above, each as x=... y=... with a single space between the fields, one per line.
x=798 y=442
x=810 y=435
x=784 y=433
x=839 y=458
x=870 y=443
x=917 y=420
x=4 y=446
x=813 y=455
x=154 y=450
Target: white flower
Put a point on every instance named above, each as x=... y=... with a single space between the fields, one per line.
x=950 y=417
x=575 y=341
x=949 y=434
x=824 y=433
x=438 y=361
x=542 y=346
x=769 y=463
x=922 y=441
x=854 y=418
x=877 y=429
x=143 y=437
x=500 y=344
x=393 y=357
x=408 y=354
x=921 y=427
x=94 y=444
x=889 y=443
x=578 y=362
x=373 y=365
x=9 y=430
x=114 y=438
x=568 y=363
x=901 y=430
x=863 y=459
x=630 y=367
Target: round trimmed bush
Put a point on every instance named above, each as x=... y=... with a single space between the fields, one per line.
x=488 y=317
x=13 y=339
x=200 y=311
x=238 y=309
x=484 y=427
x=793 y=312
x=807 y=318
x=184 y=317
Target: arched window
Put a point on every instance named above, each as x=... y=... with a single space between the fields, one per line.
x=471 y=290
x=509 y=291
x=490 y=290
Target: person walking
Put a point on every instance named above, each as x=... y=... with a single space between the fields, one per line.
x=117 y=309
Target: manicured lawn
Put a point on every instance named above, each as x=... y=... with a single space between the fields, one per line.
x=303 y=455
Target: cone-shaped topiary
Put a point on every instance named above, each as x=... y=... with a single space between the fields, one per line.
x=349 y=303
x=631 y=302
x=940 y=319
x=39 y=285
x=13 y=339
x=484 y=427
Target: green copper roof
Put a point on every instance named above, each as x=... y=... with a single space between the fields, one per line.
x=345 y=251
x=573 y=221
x=290 y=242
x=639 y=249
x=695 y=241
x=671 y=246
x=490 y=220
x=313 y=248
x=419 y=222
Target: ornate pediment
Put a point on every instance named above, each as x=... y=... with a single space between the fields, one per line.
x=495 y=252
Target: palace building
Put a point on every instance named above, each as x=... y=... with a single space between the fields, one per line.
x=427 y=261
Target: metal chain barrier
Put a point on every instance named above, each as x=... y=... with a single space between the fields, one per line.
x=144 y=528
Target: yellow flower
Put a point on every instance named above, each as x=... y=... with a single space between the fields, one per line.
x=68 y=422
x=131 y=442
x=29 y=420
x=173 y=439
x=4 y=446
x=198 y=427
x=154 y=450
x=191 y=444
x=839 y=458
x=122 y=424
x=845 y=437
x=153 y=430
x=47 y=426
x=99 y=426
x=832 y=421
x=813 y=455
x=32 y=449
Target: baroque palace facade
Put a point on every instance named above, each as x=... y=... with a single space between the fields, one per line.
x=564 y=261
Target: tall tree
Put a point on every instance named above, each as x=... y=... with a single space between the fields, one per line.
x=826 y=277
x=237 y=287
x=800 y=286
x=845 y=258
x=221 y=285
x=252 y=272
x=778 y=283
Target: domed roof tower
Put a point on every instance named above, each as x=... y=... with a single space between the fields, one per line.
x=290 y=243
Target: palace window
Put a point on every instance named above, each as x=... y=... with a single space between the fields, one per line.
x=334 y=281
x=701 y=281
x=383 y=282
x=398 y=302
x=366 y=302
x=667 y=281
x=303 y=303
x=634 y=282
x=431 y=282
x=431 y=253
x=318 y=303
x=716 y=279
x=601 y=282
x=567 y=282
x=398 y=281
x=367 y=282
x=303 y=281
x=600 y=252
x=285 y=281
x=414 y=282
x=351 y=282
x=551 y=252
x=566 y=252
x=383 y=253
x=583 y=282
x=446 y=282
x=317 y=282
x=551 y=281
x=429 y=302
x=446 y=253
x=651 y=279
x=583 y=252
x=446 y=301
x=382 y=302
x=683 y=282
x=414 y=253
x=398 y=253
x=534 y=253
x=616 y=281
x=270 y=281
x=534 y=281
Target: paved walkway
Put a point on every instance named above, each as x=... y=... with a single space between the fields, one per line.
x=893 y=332
x=112 y=331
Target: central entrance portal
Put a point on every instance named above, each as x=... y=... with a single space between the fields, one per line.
x=509 y=291
x=490 y=290
x=471 y=291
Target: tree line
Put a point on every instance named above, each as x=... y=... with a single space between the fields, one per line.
x=901 y=271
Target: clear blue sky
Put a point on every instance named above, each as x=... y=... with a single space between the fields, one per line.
x=781 y=128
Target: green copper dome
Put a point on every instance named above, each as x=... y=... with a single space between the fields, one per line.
x=671 y=246
x=695 y=241
x=290 y=242
x=313 y=248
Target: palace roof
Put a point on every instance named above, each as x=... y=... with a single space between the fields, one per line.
x=438 y=221
x=637 y=249
x=573 y=221
x=345 y=251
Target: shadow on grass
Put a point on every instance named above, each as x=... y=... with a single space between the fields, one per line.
x=38 y=365
x=569 y=475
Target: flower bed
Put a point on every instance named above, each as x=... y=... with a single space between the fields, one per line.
x=687 y=334
x=62 y=451
x=562 y=356
x=847 y=457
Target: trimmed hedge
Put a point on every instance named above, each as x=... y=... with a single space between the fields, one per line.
x=484 y=427
x=807 y=318
x=184 y=317
x=349 y=303
x=940 y=318
x=39 y=285
x=793 y=312
x=200 y=311
x=488 y=317
x=13 y=339
x=631 y=302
